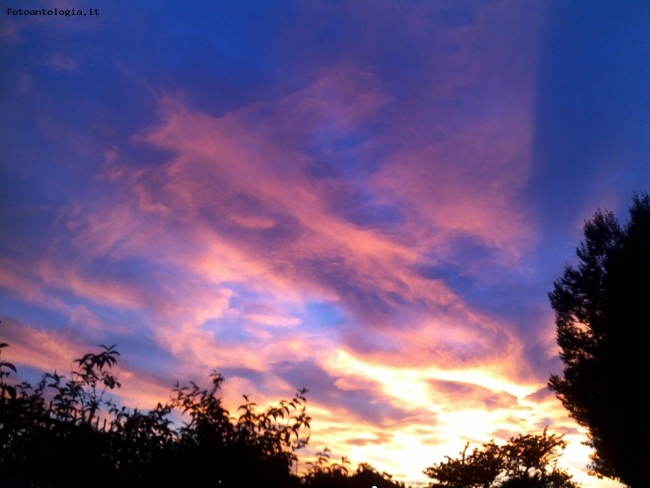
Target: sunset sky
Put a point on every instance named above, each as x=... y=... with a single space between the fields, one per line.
x=367 y=198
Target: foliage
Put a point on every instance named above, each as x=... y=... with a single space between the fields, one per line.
x=601 y=310
x=323 y=473
x=65 y=432
x=480 y=468
x=37 y=438
x=525 y=461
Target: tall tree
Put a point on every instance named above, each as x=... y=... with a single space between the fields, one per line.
x=602 y=314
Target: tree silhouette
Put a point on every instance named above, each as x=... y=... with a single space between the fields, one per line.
x=65 y=432
x=37 y=438
x=479 y=469
x=602 y=310
x=525 y=461
x=323 y=473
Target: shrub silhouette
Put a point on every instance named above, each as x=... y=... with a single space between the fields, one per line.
x=525 y=461
x=38 y=440
x=323 y=473
x=65 y=432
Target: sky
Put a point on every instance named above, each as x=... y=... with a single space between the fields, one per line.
x=370 y=199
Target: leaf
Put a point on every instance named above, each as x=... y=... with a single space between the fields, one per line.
x=8 y=365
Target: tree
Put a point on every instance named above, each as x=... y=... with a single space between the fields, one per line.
x=479 y=469
x=602 y=312
x=66 y=433
x=324 y=474
x=525 y=461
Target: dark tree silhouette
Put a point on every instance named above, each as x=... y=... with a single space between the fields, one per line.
x=525 y=461
x=66 y=433
x=602 y=313
x=323 y=473
x=478 y=469
x=47 y=427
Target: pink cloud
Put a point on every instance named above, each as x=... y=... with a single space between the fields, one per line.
x=61 y=62
x=214 y=207
x=103 y=291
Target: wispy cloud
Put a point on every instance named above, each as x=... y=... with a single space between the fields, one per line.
x=61 y=62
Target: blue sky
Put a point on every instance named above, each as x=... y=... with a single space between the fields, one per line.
x=369 y=199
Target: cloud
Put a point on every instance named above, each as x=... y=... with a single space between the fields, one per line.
x=61 y=62
x=238 y=217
